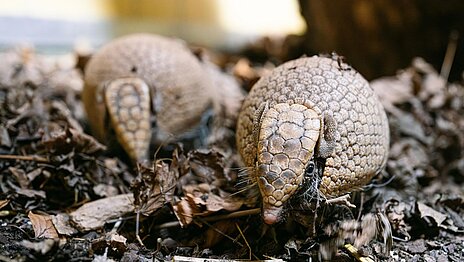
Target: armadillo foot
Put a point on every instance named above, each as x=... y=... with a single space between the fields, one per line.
x=128 y=104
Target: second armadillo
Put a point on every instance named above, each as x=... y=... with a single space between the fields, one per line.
x=142 y=80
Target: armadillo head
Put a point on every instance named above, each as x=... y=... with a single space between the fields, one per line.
x=128 y=103
x=286 y=141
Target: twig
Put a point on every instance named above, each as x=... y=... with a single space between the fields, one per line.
x=137 y=228
x=244 y=239
x=400 y=239
x=242 y=213
x=341 y=200
x=220 y=232
x=449 y=55
x=25 y=158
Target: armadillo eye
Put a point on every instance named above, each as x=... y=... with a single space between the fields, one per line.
x=310 y=168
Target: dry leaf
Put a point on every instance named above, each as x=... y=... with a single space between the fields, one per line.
x=20 y=176
x=5 y=139
x=95 y=214
x=155 y=187
x=62 y=225
x=72 y=139
x=4 y=202
x=112 y=242
x=184 y=211
x=43 y=226
x=199 y=200
x=208 y=165
x=426 y=211
x=396 y=213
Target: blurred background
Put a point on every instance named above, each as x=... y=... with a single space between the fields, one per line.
x=223 y=24
x=376 y=37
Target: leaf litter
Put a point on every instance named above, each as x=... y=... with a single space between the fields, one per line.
x=61 y=184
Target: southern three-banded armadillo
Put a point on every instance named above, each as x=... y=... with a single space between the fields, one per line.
x=144 y=83
x=311 y=108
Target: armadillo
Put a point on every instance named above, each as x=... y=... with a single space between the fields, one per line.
x=136 y=78
x=305 y=109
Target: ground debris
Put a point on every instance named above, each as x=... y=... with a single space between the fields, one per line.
x=95 y=214
x=43 y=226
x=56 y=180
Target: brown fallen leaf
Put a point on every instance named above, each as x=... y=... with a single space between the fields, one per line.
x=111 y=244
x=207 y=165
x=4 y=202
x=184 y=211
x=155 y=186
x=95 y=214
x=27 y=192
x=426 y=211
x=43 y=226
x=397 y=213
x=72 y=139
x=62 y=225
x=199 y=200
x=20 y=176
x=5 y=139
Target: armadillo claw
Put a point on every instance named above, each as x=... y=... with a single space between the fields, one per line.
x=128 y=105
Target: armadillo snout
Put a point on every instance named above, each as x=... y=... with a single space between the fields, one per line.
x=287 y=138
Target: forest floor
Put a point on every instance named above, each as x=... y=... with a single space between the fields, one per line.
x=64 y=197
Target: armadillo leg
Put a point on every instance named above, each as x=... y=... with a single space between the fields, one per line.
x=128 y=103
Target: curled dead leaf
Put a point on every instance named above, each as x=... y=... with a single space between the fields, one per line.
x=72 y=139
x=43 y=226
x=155 y=186
x=200 y=200
x=426 y=211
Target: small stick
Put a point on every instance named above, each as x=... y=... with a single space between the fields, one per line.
x=341 y=200
x=220 y=232
x=242 y=213
x=25 y=158
x=449 y=55
x=137 y=228
x=244 y=239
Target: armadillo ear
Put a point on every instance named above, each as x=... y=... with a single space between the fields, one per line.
x=128 y=104
x=329 y=136
x=258 y=119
